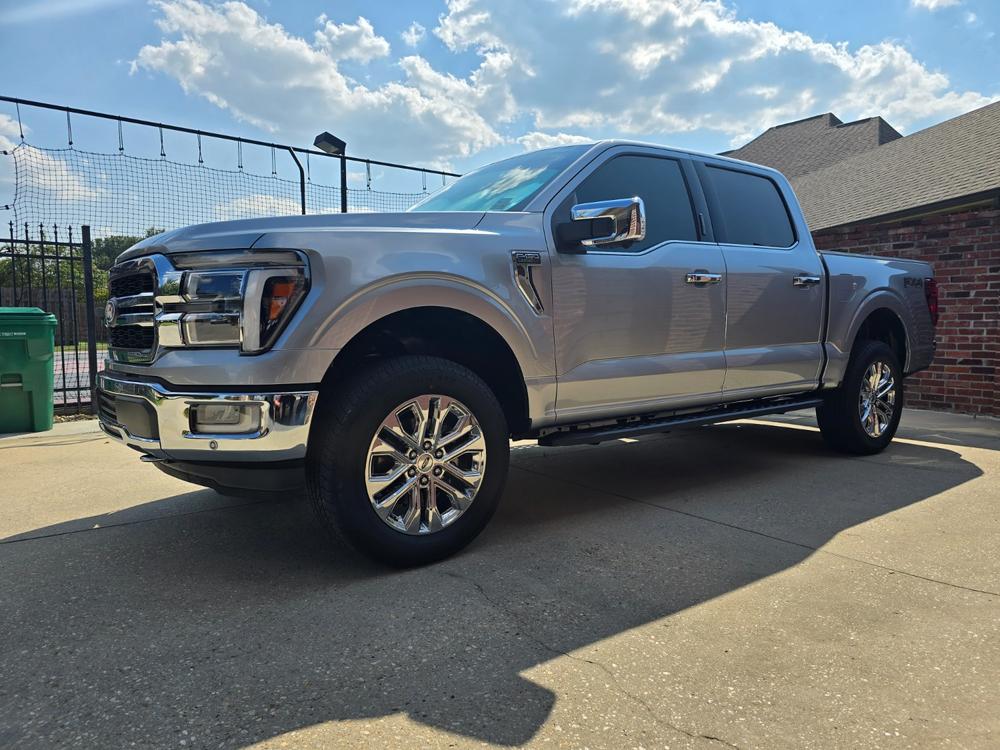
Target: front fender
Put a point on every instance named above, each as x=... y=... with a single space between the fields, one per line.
x=392 y=295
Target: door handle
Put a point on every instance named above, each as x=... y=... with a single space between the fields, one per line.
x=805 y=280
x=703 y=277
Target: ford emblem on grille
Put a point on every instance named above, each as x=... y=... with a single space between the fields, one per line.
x=110 y=312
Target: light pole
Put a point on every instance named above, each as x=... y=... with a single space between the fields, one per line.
x=331 y=144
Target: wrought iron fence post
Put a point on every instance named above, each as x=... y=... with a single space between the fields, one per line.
x=343 y=184
x=88 y=293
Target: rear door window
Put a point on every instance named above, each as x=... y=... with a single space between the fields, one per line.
x=753 y=211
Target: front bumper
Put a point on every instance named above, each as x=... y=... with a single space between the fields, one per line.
x=150 y=418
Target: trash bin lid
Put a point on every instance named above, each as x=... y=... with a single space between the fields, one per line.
x=25 y=315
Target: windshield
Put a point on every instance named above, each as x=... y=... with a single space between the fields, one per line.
x=506 y=185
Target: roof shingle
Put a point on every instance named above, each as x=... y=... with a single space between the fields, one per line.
x=796 y=148
x=950 y=160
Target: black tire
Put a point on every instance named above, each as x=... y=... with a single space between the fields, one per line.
x=343 y=428
x=839 y=416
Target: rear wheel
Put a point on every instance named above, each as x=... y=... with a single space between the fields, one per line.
x=861 y=416
x=408 y=459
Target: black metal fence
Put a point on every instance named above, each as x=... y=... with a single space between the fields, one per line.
x=52 y=268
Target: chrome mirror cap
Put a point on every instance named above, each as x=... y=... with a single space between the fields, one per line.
x=628 y=220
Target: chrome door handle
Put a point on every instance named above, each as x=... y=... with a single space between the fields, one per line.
x=805 y=280
x=703 y=277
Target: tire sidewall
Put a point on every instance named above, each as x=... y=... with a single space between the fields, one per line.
x=349 y=504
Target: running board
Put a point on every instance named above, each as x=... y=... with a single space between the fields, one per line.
x=592 y=435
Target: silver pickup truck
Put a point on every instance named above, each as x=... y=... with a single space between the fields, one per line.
x=570 y=295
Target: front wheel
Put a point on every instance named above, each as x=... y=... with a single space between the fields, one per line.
x=408 y=459
x=861 y=416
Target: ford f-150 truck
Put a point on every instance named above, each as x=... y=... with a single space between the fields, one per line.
x=571 y=295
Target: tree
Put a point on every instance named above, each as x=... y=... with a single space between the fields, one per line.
x=106 y=249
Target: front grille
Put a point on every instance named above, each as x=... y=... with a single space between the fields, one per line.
x=132 y=287
x=132 y=284
x=106 y=407
x=131 y=337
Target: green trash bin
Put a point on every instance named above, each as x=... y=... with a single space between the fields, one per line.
x=27 y=342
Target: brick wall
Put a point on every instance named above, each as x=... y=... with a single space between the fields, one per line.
x=964 y=249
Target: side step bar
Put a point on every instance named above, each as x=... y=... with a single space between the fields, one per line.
x=590 y=435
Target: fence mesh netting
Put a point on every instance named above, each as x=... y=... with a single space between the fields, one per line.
x=121 y=194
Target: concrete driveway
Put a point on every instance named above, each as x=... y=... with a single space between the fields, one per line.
x=732 y=586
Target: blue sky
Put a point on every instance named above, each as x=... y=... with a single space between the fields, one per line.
x=463 y=82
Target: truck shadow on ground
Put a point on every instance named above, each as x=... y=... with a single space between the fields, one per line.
x=232 y=625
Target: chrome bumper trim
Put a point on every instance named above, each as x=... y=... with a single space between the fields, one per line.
x=284 y=423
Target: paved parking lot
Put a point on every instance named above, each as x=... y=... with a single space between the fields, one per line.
x=733 y=586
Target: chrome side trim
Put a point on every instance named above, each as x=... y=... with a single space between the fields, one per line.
x=285 y=418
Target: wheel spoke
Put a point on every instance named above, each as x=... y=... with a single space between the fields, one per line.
x=469 y=479
x=411 y=519
x=434 y=522
x=432 y=418
x=385 y=504
x=378 y=482
x=458 y=500
x=884 y=410
x=476 y=444
x=395 y=428
x=461 y=424
x=873 y=424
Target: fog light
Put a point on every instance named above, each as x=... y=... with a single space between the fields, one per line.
x=215 y=419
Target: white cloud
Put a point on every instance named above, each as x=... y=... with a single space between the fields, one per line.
x=347 y=41
x=933 y=4
x=241 y=62
x=536 y=140
x=649 y=68
x=41 y=170
x=645 y=69
x=414 y=34
x=8 y=132
x=258 y=204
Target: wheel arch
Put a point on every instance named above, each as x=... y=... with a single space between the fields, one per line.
x=879 y=316
x=885 y=325
x=446 y=332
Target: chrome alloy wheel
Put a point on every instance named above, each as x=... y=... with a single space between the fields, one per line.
x=425 y=464
x=877 y=401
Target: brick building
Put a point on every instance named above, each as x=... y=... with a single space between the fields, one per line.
x=933 y=196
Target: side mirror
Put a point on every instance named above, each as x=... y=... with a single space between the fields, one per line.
x=604 y=223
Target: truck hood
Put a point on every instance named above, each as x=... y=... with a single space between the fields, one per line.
x=233 y=235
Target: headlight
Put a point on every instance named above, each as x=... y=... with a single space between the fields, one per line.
x=213 y=301
x=270 y=299
x=236 y=298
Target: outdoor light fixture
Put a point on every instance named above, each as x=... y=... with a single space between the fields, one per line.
x=330 y=144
